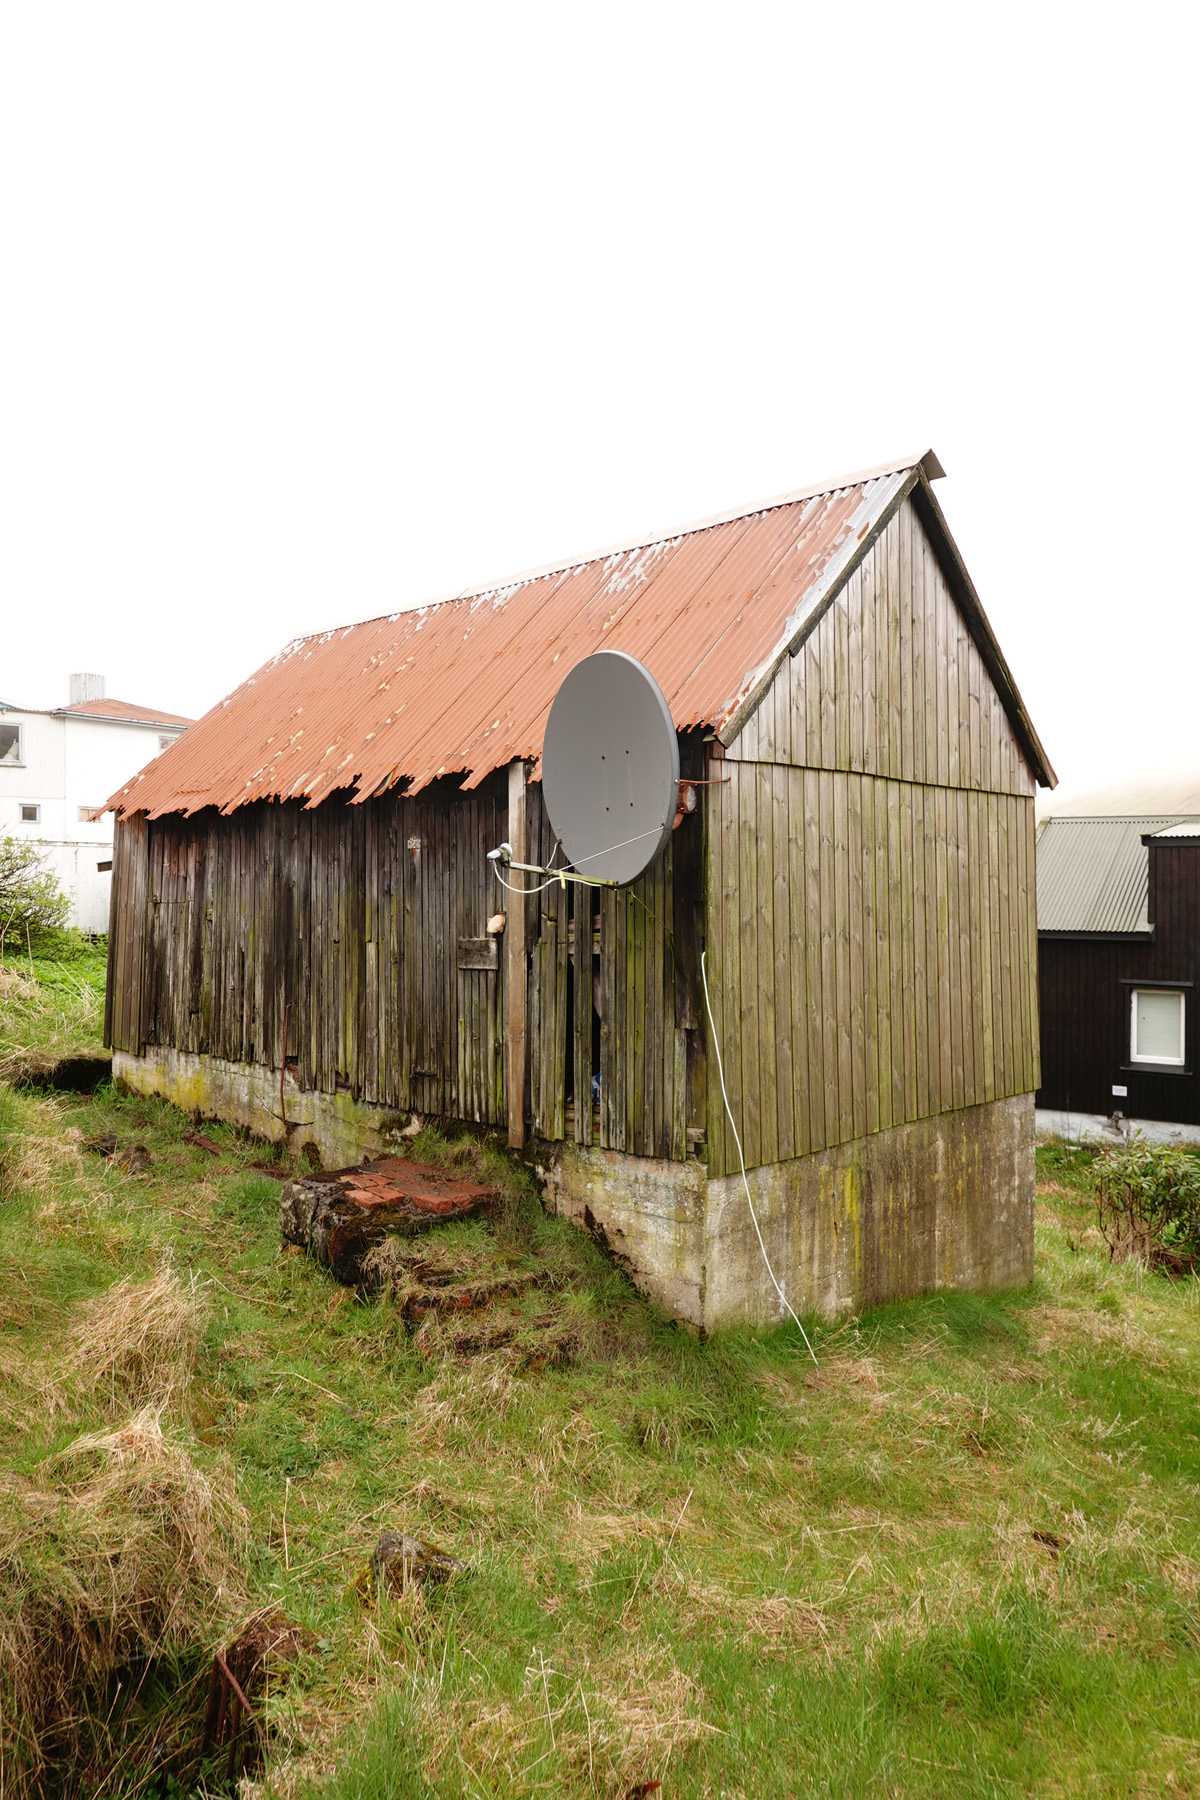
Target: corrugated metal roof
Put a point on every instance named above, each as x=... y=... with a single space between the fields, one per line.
x=1189 y=831
x=463 y=686
x=1093 y=874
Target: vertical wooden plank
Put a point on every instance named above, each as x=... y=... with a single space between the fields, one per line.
x=897 y=878
x=902 y=524
x=796 y=932
x=814 y=1019
x=1007 y=945
x=908 y=976
x=920 y=971
x=842 y=696
x=840 y=876
x=745 y=984
x=827 y=633
x=895 y=698
x=815 y=702
x=1029 y=831
x=666 y=1003
x=713 y=952
x=656 y=1038
x=517 y=982
x=868 y=884
x=938 y=600
x=875 y=669
x=886 y=1021
x=852 y=851
x=635 y=1019
x=857 y=694
x=930 y=667
x=823 y=862
x=726 y=989
x=985 y=1000
x=953 y=932
x=967 y=977
x=762 y=985
x=785 y=950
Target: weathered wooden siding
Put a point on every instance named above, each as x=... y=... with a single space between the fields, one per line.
x=362 y=926
x=875 y=961
x=890 y=682
x=870 y=878
x=630 y=954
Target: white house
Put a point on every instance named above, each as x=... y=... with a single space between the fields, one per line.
x=57 y=767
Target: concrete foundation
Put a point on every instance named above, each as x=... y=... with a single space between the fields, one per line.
x=946 y=1202
x=1094 y=1128
x=343 y=1129
x=943 y=1203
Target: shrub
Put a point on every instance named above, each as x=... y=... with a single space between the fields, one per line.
x=30 y=897
x=1149 y=1203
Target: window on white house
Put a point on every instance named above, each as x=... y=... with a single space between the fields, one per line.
x=30 y=815
x=85 y=813
x=1156 y=1031
x=10 y=744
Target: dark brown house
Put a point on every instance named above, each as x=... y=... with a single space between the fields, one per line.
x=307 y=935
x=1118 y=939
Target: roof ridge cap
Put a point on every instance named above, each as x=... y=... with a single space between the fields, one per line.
x=927 y=461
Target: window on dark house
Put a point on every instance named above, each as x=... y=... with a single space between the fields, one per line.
x=1157 y=1026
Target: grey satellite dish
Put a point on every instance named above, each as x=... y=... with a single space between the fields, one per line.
x=610 y=767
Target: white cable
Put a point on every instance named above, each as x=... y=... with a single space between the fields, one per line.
x=742 y=1160
x=654 y=831
x=517 y=890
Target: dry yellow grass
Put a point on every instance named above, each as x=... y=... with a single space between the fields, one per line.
x=121 y=1548
x=136 y=1344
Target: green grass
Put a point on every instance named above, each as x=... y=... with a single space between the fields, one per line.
x=51 y=1003
x=960 y=1557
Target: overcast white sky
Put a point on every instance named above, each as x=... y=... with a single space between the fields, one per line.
x=310 y=312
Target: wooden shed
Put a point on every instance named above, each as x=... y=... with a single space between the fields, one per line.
x=305 y=934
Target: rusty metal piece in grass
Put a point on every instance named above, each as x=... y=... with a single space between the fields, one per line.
x=224 y=1688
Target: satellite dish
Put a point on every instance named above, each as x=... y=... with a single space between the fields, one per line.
x=610 y=767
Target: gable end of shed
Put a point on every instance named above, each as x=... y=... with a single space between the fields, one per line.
x=896 y=672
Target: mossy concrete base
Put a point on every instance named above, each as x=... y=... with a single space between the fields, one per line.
x=945 y=1202
x=343 y=1129
x=650 y=1214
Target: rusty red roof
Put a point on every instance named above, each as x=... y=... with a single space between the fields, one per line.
x=463 y=686
x=124 y=712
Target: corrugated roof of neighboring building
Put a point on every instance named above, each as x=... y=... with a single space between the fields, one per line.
x=463 y=686
x=1094 y=874
x=123 y=712
x=1188 y=830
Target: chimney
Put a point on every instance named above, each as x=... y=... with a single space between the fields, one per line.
x=86 y=687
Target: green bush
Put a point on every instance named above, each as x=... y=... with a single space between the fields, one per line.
x=31 y=901
x=1149 y=1203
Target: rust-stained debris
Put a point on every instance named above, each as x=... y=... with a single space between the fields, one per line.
x=269 y=1639
x=340 y=1216
x=463 y=686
